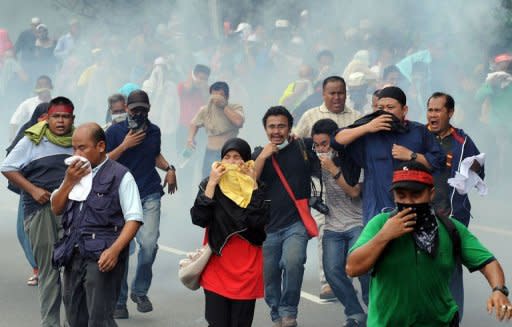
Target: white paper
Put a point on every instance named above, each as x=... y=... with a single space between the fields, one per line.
x=465 y=179
x=82 y=189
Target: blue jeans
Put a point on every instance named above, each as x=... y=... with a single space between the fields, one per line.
x=23 y=237
x=336 y=246
x=147 y=238
x=284 y=256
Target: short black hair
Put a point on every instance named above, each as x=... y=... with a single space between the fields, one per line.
x=218 y=86
x=278 y=111
x=324 y=126
x=449 y=101
x=115 y=98
x=325 y=53
x=202 y=69
x=331 y=79
x=61 y=101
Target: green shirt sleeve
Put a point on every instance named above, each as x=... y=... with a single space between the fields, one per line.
x=370 y=230
x=474 y=255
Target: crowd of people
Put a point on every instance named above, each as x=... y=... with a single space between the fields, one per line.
x=362 y=134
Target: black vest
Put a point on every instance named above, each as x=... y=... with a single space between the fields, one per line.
x=94 y=224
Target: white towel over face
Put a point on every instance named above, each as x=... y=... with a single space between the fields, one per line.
x=81 y=190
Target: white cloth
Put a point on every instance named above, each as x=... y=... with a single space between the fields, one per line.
x=466 y=179
x=24 y=111
x=81 y=190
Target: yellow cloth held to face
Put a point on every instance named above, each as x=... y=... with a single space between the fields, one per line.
x=237 y=185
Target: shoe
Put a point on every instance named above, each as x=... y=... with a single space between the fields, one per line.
x=353 y=323
x=327 y=294
x=143 y=302
x=288 y=322
x=121 y=312
x=33 y=280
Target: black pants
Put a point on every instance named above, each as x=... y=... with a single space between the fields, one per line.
x=455 y=320
x=90 y=295
x=223 y=312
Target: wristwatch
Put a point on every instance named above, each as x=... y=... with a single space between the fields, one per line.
x=170 y=167
x=414 y=155
x=503 y=289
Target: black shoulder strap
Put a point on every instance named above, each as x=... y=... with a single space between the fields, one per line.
x=454 y=236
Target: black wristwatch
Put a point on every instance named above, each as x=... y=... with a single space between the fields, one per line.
x=502 y=289
x=414 y=155
x=170 y=167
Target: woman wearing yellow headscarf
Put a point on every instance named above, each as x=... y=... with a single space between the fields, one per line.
x=231 y=205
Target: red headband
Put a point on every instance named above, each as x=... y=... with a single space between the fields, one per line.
x=413 y=176
x=60 y=108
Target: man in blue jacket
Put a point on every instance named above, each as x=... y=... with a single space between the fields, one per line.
x=381 y=141
x=457 y=146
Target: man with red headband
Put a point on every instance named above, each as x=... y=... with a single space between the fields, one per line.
x=36 y=166
x=412 y=254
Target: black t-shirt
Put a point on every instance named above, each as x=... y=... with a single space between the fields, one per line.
x=442 y=194
x=296 y=163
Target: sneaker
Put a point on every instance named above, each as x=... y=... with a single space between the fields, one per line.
x=121 y=312
x=288 y=322
x=33 y=280
x=326 y=294
x=143 y=302
x=353 y=323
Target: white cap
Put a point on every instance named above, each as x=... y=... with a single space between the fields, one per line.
x=242 y=27
x=159 y=61
x=281 y=23
x=297 y=40
x=304 y=13
x=356 y=79
x=35 y=21
x=42 y=26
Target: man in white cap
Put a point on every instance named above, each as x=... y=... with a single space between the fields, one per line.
x=26 y=43
x=358 y=97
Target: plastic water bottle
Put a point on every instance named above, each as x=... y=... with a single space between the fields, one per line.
x=185 y=156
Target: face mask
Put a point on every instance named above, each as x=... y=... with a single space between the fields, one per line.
x=117 y=118
x=138 y=121
x=282 y=145
x=422 y=210
x=328 y=155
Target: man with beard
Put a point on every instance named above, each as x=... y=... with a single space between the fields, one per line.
x=412 y=254
x=221 y=120
x=36 y=166
x=382 y=140
x=139 y=154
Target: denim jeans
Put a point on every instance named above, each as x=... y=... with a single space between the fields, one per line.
x=336 y=246
x=23 y=237
x=284 y=256
x=147 y=238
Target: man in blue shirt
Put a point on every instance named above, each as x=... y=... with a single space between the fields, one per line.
x=381 y=141
x=135 y=143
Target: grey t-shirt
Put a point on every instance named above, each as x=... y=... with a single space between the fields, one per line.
x=345 y=212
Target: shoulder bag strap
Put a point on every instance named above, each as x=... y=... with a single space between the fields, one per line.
x=282 y=178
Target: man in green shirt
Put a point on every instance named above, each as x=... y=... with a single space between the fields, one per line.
x=411 y=255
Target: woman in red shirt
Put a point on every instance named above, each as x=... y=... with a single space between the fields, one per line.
x=230 y=204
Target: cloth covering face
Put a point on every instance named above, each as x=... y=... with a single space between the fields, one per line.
x=236 y=185
x=81 y=190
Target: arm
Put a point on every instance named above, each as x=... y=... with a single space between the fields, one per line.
x=402 y=153
x=39 y=194
x=266 y=153
x=170 y=176
x=203 y=210
x=497 y=300
x=108 y=258
x=363 y=258
x=130 y=140
x=333 y=170
x=234 y=116
x=347 y=136
x=192 y=131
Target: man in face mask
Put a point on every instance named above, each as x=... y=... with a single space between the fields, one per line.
x=135 y=143
x=116 y=110
x=343 y=221
x=411 y=252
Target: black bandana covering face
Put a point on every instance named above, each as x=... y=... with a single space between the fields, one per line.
x=425 y=232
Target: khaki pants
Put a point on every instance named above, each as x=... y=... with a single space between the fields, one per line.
x=42 y=228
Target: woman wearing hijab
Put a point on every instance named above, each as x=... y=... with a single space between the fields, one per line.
x=40 y=113
x=231 y=205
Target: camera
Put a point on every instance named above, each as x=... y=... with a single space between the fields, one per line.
x=318 y=204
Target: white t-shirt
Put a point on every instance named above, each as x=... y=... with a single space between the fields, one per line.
x=24 y=111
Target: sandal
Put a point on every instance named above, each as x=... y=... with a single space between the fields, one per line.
x=33 y=280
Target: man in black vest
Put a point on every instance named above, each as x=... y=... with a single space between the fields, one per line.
x=98 y=224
